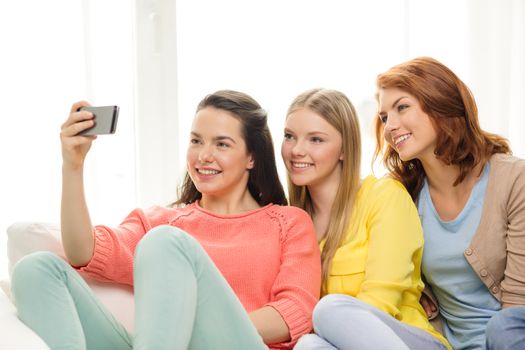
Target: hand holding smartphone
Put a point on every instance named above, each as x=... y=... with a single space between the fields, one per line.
x=105 y=118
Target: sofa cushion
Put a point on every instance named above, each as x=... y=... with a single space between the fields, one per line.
x=24 y=238
x=15 y=334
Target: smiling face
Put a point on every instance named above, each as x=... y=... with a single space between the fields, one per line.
x=217 y=159
x=407 y=128
x=311 y=149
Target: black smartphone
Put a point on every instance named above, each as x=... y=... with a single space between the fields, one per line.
x=105 y=120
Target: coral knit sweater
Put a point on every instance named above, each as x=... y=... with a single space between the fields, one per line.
x=269 y=256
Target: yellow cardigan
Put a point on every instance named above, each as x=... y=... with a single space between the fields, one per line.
x=379 y=261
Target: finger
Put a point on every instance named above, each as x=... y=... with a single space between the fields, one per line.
x=85 y=138
x=77 y=105
x=428 y=304
x=424 y=302
x=77 y=117
x=73 y=129
x=429 y=309
x=81 y=140
x=74 y=117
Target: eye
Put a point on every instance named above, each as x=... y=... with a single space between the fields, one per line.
x=221 y=144
x=383 y=118
x=316 y=139
x=288 y=136
x=402 y=107
x=194 y=141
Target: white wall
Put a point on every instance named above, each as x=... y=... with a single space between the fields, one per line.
x=157 y=58
x=276 y=49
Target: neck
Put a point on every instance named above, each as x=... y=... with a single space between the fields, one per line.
x=323 y=198
x=323 y=194
x=441 y=177
x=228 y=205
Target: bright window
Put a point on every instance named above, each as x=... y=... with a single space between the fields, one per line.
x=53 y=54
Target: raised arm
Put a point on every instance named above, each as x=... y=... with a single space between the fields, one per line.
x=77 y=231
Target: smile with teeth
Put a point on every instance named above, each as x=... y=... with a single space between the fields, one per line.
x=208 y=171
x=301 y=165
x=401 y=139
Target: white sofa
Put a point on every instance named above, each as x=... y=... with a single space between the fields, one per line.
x=26 y=237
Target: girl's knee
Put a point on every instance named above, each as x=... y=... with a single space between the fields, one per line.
x=335 y=308
x=31 y=268
x=503 y=322
x=33 y=264
x=164 y=239
x=326 y=308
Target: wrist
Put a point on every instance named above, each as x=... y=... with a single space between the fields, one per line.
x=68 y=167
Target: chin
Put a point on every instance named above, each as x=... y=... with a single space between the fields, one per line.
x=406 y=157
x=297 y=181
x=403 y=158
x=204 y=189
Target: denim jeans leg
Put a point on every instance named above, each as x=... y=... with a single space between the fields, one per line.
x=506 y=329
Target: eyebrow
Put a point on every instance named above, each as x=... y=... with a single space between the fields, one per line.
x=216 y=138
x=310 y=133
x=393 y=104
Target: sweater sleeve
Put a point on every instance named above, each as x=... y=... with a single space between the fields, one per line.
x=513 y=284
x=395 y=239
x=112 y=260
x=297 y=286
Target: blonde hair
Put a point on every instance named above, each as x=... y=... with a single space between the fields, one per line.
x=334 y=107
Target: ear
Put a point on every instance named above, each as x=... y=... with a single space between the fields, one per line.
x=342 y=156
x=251 y=163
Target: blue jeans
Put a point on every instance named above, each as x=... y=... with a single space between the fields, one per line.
x=181 y=301
x=506 y=329
x=344 y=322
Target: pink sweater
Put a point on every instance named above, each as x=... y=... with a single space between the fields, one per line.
x=269 y=256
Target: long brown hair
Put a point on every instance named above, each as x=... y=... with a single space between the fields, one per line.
x=452 y=110
x=263 y=181
x=336 y=109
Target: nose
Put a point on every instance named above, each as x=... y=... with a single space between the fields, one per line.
x=206 y=154
x=392 y=123
x=298 y=149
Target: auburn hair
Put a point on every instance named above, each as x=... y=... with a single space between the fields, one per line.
x=452 y=110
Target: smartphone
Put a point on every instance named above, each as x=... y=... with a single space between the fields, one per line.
x=105 y=120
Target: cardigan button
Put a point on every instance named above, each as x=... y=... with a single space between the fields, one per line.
x=468 y=251
x=495 y=290
x=483 y=273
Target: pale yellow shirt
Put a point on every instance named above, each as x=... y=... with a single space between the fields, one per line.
x=379 y=261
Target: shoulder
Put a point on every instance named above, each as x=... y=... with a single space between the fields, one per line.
x=383 y=188
x=158 y=215
x=291 y=219
x=507 y=175
x=287 y=211
x=504 y=163
x=386 y=199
